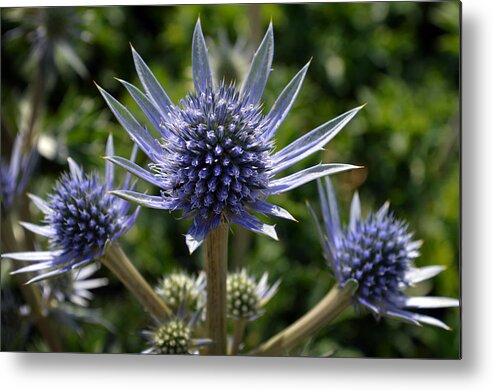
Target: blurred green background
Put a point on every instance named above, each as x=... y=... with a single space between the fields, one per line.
x=401 y=58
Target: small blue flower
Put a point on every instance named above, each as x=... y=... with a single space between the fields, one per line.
x=15 y=174
x=214 y=159
x=81 y=217
x=378 y=252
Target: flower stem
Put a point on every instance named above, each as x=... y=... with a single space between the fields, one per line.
x=216 y=267
x=116 y=260
x=239 y=331
x=327 y=309
x=31 y=293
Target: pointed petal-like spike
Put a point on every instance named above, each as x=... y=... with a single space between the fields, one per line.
x=431 y=321
x=33 y=256
x=75 y=170
x=196 y=235
x=91 y=284
x=252 y=223
x=43 y=230
x=110 y=171
x=257 y=76
x=15 y=157
x=401 y=315
x=41 y=204
x=149 y=201
x=134 y=169
x=328 y=246
x=147 y=107
x=382 y=212
x=355 y=213
x=274 y=210
x=137 y=133
x=128 y=177
x=430 y=302
x=311 y=142
x=423 y=273
x=331 y=210
x=130 y=221
x=151 y=86
x=202 y=75
x=284 y=102
x=299 y=178
x=62 y=270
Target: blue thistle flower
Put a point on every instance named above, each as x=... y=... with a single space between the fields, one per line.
x=214 y=158
x=15 y=173
x=81 y=217
x=378 y=252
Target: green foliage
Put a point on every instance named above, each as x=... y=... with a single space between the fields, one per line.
x=399 y=58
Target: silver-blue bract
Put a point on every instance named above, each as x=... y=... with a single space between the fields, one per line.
x=15 y=173
x=81 y=217
x=378 y=252
x=214 y=160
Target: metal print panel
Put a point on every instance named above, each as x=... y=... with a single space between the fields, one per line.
x=262 y=179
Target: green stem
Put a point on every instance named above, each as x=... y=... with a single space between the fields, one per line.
x=116 y=260
x=238 y=333
x=216 y=267
x=31 y=293
x=327 y=309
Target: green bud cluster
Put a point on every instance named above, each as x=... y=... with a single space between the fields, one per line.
x=179 y=288
x=242 y=297
x=173 y=337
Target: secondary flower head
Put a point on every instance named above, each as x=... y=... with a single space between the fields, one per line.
x=175 y=336
x=73 y=287
x=214 y=158
x=378 y=252
x=81 y=217
x=246 y=296
x=181 y=289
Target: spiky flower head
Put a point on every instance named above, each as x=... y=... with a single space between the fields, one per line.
x=378 y=252
x=81 y=217
x=246 y=297
x=175 y=336
x=15 y=173
x=180 y=288
x=73 y=287
x=213 y=155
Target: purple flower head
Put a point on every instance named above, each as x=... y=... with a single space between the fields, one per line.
x=15 y=174
x=214 y=159
x=378 y=252
x=81 y=216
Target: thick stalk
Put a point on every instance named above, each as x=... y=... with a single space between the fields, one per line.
x=216 y=266
x=31 y=293
x=116 y=260
x=327 y=309
x=239 y=327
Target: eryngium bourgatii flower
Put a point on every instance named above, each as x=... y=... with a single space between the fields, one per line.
x=73 y=286
x=378 y=252
x=81 y=216
x=181 y=289
x=175 y=336
x=246 y=297
x=214 y=160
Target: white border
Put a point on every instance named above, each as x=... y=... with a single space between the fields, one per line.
x=474 y=372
